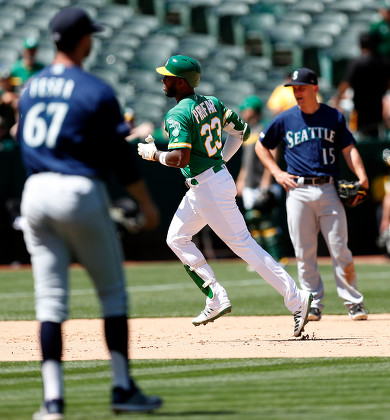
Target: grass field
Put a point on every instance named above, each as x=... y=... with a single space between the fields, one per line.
x=327 y=388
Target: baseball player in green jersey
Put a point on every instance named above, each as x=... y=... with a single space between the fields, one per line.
x=194 y=128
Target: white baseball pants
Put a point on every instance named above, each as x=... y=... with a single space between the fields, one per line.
x=213 y=202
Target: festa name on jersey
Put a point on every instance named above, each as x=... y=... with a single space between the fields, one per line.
x=201 y=111
x=307 y=134
x=51 y=87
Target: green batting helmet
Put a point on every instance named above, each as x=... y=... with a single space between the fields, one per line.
x=182 y=66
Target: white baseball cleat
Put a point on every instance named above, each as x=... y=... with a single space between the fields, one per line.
x=300 y=316
x=210 y=313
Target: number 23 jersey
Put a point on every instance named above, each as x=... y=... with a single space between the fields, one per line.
x=313 y=141
x=196 y=123
x=71 y=123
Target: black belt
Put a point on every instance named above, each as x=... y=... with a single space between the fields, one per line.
x=317 y=180
x=193 y=181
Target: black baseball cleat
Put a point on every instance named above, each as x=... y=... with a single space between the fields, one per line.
x=133 y=401
x=314 y=314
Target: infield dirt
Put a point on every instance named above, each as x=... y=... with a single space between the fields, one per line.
x=227 y=337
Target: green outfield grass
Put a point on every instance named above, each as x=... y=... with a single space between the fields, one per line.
x=221 y=389
x=327 y=388
x=165 y=290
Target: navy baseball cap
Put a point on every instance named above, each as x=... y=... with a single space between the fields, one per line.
x=70 y=24
x=303 y=76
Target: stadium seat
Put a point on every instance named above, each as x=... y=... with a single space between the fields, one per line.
x=26 y=4
x=160 y=41
x=112 y=21
x=223 y=21
x=116 y=9
x=332 y=17
x=254 y=31
x=205 y=88
x=313 y=7
x=148 y=111
x=337 y=57
x=150 y=59
x=49 y=3
x=22 y=31
x=225 y=63
x=200 y=10
x=7 y=24
x=140 y=79
x=8 y=55
x=238 y=87
x=366 y=17
x=347 y=6
x=254 y=64
x=94 y=3
x=45 y=55
x=109 y=76
x=112 y=63
x=314 y=52
x=284 y=42
x=214 y=75
x=198 y=46
x=16 y=13
x=231 y=51
x=172 y=29
x=257 y=78
x=278 y=9
x=302 y=18
x=317 y=29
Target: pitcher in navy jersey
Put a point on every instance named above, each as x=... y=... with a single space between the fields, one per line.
x=314 y=135
x=72 y=135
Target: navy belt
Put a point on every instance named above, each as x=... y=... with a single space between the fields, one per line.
x=318 y=180
x=193 y=181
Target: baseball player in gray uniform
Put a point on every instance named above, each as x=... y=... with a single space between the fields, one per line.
x=314 y=135
x=72 y=135
x=194 y=128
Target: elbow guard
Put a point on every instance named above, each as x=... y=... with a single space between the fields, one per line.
x=234 y=125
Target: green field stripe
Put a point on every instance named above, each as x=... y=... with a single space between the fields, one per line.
x=188 y=285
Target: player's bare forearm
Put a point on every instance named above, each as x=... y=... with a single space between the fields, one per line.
x=286 y=180
x=266 y=179
x=176 y=158
x=356 y=165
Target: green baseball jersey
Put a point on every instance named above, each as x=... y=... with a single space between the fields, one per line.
x=20 y=73
x=196 y=123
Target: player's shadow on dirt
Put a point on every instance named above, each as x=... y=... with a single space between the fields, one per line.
x=315 y=339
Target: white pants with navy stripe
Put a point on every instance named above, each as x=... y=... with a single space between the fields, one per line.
x=212 y=202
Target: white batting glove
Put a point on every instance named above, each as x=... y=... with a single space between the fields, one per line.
x=149 y=139
x=147 y=151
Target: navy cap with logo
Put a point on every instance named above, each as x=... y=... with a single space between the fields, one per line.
x=70 y=24
x=303 y=76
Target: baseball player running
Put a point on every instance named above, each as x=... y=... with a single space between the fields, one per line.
x=194 y=128
x=314 y=135
x=72 y=134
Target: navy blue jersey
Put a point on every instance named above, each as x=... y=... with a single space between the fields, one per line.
x=71 y=123
x=313 y=141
